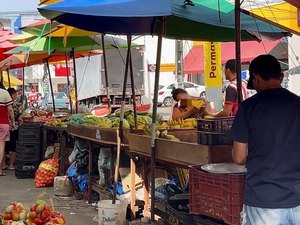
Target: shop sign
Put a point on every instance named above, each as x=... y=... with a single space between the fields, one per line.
x=213 y=66
x=166 y=67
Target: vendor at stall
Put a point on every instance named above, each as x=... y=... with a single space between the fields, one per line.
x=186 y=112
x=231 y=96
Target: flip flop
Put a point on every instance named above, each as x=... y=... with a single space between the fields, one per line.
x=11 y=168
x=2 y=175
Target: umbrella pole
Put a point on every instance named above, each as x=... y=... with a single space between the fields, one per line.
x=238 y=49
x=120 y=132
x=105 y=69
x=68 y=82
x=51 y=85
x=133 y=92
x=154 y=113
x=8 y=77
x=75 y=81
x=23 y=88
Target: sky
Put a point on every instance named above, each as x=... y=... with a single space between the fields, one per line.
x=18 y=5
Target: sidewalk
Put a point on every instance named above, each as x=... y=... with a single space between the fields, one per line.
x=76 y=212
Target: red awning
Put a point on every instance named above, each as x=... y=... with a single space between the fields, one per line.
x=193 y=63
x=294 y=2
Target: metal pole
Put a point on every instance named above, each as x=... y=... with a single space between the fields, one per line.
x=75 y=81
x=51 y=85
x=23 y=88
x=8 y=77
x=120 y=131
x=68 y=81
x=238 y=49
x=157 y=70
x=133 y=91
x=105 y=69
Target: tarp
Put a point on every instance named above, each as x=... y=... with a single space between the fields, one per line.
x=294 y=2
x=141 y=16
x=193 y=63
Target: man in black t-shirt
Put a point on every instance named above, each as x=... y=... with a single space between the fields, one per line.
x=266 y=134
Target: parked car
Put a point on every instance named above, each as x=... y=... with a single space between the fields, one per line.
x=61 y=101
x=165 y=95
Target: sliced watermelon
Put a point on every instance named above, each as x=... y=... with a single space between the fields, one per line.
x=142 y=109
x=101 y=111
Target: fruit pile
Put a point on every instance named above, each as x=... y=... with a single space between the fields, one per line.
x=39 y=214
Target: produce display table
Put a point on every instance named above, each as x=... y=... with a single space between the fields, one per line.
x=181 y=154
x=100 y=136
x=62 y=137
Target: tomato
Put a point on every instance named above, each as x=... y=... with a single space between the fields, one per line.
x=7 y=216
x=38 y=221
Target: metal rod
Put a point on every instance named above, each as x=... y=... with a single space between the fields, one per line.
x=133 y=91
x=8 y=77
x=238 y=49
x=23 y=88
x=68 y=82
x=120 y=131
x=75 y=81
x=51 y=85
x=105 y=69
x=154 y=112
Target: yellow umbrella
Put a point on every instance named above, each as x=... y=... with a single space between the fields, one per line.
x=13 y=80
x=21 y=38
x=283 y=15
x=48 y=2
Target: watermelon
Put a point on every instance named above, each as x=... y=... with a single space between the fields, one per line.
x=143 y=109
x=101 y=111
x=127 y=110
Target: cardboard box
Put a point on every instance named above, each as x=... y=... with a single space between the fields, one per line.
x=126 y=179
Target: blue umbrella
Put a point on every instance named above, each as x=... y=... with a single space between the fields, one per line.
x=197 y=19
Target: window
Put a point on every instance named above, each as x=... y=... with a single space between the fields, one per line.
x=171 y=86
x=188 y=85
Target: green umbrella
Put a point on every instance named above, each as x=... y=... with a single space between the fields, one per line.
x=51 y=44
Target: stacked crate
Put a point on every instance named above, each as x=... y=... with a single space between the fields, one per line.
x=28 y=154
x=217 y=196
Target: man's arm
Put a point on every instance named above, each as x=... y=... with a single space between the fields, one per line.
x=11 y=115
x=226 y=111
x=239 y=152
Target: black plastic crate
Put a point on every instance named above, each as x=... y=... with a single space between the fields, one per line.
x=28 y=157
x=175 y=217
x=204 y=220
x=24 y=148
x=211 y=139
x=29 y=133
x=215 y=125
x=24 y=174
x=26 y=166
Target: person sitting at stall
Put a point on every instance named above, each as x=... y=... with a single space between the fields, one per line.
x=231 y=96
x=186 y=112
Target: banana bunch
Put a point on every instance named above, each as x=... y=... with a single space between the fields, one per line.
x=175 y=124
x=148 y=131
x=190 y=123
x=162 y=126
x=164 y=134
x=182 y=124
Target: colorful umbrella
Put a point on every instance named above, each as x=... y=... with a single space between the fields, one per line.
x=48 y=2
x=11 y=81
x=21 y=38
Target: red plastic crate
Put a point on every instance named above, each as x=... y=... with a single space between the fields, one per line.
x=219 y=196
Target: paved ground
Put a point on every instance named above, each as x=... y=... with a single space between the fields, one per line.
x=77 y=212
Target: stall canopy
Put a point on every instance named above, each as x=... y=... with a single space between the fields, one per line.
x=198 y=21
x=13 y=80
x=294 y=2
x=193 y=63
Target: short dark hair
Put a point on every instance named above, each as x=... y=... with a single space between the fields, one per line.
x=11 y=91
x=230 y=64
x=176 y=92
x=266 y=66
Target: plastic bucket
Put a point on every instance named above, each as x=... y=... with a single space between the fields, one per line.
x=112 y=214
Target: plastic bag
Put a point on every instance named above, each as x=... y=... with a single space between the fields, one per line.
x=44 y=176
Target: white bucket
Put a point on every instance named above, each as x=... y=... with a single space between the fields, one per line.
x=112 y=214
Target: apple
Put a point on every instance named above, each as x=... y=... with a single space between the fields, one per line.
x=15 y=215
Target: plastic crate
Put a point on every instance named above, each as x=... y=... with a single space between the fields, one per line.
x=211 y=139
x=28 y=157
x=29 y=133
x=204 y=220
x=26 y=169
x=174 y=217
x=219 y=196
x=215 y=125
